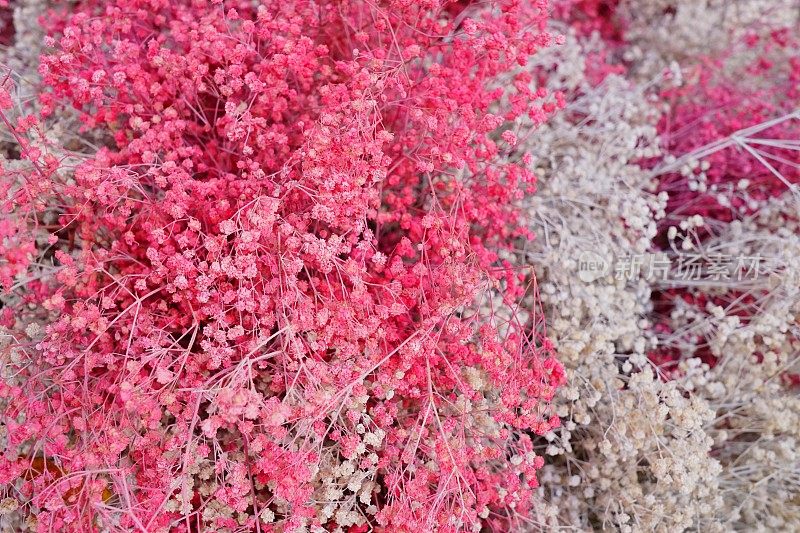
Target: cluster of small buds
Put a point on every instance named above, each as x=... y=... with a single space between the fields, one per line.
x=255 y=296
x=618 y=416
x=659 y=33
x=655 y=375
x=750 y=378
x=346 y=266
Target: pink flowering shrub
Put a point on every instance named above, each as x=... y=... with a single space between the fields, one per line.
x=275 y=294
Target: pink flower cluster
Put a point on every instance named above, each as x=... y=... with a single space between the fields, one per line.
x=273 y=283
